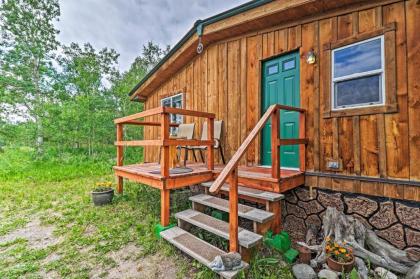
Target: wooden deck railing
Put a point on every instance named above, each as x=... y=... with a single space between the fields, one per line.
x=165 y=142
x=230 y=172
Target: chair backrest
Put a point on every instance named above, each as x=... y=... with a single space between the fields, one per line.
x=217 y=130
x=186 y=131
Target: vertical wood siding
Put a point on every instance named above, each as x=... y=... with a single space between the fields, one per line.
x=225 y=79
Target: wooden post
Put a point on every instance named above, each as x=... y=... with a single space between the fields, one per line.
x=164 y=207
x=275 y=162
x=120 y=157
x=233 y=211
x=302 y=147
x=164 y=133
x=210 y=148
x=164 y=171
x=275 y=207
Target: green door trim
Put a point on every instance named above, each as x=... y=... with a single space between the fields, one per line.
x=281 y=84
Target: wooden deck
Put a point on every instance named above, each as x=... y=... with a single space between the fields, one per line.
x=254 y=177
x=150 y=174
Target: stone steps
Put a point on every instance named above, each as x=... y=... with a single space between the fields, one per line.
x=197 y=248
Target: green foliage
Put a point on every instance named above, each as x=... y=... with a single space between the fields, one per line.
x=68 y=100
x=27 y=45
x=87 y=234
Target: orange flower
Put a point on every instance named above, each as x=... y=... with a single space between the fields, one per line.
x=336 y=252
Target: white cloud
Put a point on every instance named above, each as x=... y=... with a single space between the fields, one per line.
x=127 y=25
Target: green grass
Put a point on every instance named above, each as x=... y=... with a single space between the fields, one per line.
x=57 y=192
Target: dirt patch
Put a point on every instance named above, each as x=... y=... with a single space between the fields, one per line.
x=90 y=230
x=130 y=265
x=38 y=235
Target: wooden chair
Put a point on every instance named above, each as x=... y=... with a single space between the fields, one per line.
x=217 y=135
x=185 y=131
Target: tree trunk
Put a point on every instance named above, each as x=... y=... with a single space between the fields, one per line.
x=350 y=232
x=39 y=136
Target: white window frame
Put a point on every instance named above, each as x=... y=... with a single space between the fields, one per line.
x=174 y=129
x=380 y=71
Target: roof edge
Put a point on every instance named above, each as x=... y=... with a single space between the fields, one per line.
x=218 y=17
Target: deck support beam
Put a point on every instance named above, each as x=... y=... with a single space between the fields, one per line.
x=120 y=158
x=164 y=207
x=275 y=207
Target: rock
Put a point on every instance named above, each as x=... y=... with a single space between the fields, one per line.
x=311 y=207
x=361 y=205
x=413 y=237
x=413 y=253
x=327 y=274
x=311 y=237
x=313 y=220
x=303 y=271
x=304 y=195
x=295 y=210
x=362 y=220
x=394 y=234
x=291 y=197
x=385 y=216
x=333 y=200
x=385 y=274
x=295 y=226
x=409 y=216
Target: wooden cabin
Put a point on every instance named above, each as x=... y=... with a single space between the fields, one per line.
x=338 y=81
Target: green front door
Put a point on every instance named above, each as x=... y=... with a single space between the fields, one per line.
x=280 y=85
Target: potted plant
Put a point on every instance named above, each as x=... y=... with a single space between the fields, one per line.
x=103 y=193
x=339 y=257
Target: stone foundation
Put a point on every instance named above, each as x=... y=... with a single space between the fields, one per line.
x=396 y=221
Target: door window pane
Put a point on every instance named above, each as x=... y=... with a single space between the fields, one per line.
x=364 y=90
x=273 y=69
x=288 y=65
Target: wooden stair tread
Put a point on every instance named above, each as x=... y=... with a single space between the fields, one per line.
x=197 y=248
x=250 y=192
x=244 y=211
x=218 y=227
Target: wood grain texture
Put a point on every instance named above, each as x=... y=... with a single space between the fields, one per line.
x=396 y=125
x=233 y=92
x=413 y=55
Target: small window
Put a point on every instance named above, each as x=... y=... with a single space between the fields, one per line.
x=358 y=78
x=175 y=101
x=273 y=69
x=289 y=64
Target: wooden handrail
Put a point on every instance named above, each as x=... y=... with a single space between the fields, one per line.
x=146 y=123
x=230 y=171
x=234 y=161
x=145 y=113
x=289 y=108
x=159 y=110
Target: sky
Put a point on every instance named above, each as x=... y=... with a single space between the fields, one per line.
x=126 y=25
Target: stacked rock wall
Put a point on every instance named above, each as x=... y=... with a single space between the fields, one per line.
x=396 y=221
